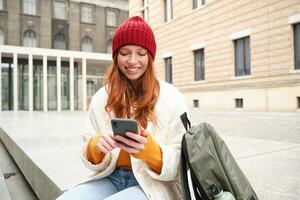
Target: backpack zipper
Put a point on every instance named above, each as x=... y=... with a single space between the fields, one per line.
x=222 y=163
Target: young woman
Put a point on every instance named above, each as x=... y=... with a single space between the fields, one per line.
x=147 y=166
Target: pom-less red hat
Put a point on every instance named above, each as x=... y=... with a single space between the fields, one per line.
x=134 y=31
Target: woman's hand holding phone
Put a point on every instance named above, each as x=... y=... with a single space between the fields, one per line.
x=134 y=144
x=106 y=143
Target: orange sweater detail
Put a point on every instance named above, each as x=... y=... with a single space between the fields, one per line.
x=152 y=154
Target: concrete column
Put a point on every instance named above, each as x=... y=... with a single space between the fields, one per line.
x=58 y=83
x=15 y=81
x=30 y=89
x=45 y=82
x=84 y=95
x=0 y=82
x=72 y=84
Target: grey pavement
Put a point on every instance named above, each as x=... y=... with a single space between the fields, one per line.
x=46 y=148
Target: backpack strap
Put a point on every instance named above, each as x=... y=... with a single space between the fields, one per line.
x=183 y=171
x=185 y=121
x=185 y=165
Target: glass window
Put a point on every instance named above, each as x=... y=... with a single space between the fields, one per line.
x=29 y=7
x=59 y=9
x=1 y=5
x=242 y=56
x=198 y=3
x=145 y=10
x=60 y=41
x=168 y=64
x=239 y=103
x=199 y=65
x=111 y=18
x=168 y=6
x=87 y=14
x=90 y=88
x=1 y=37
x=29 y=39
x=87 y=44
x=297 y=45
x=109 y=47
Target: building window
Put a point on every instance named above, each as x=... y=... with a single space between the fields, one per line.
x=87 y=44
x=168 y=6
x=29 y=39
x=109 y=46
x=1 y=5
x=59 y=9
x=297 y=45
x=239 y=103
x=198 y=3
x=111 y=19
x=90 y=88
x=60 y=41
x=196 y=103
x=145 y=10
x=29 y=7
x=199 y=65
x=298 y=100
x=242 y=56
x=168 y=64
x=1 y=37
x=87 y=14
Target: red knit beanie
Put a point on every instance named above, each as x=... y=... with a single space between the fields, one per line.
x=134 y=31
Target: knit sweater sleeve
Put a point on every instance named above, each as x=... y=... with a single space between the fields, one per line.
x=152 y=154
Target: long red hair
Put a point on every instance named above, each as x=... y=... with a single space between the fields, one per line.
x=128 y=101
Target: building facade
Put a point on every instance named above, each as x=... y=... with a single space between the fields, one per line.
x=227 y=54
x=66 y=41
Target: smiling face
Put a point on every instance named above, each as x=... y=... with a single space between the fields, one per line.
x=133 y=61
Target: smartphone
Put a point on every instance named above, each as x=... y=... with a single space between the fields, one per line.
x=120 y=126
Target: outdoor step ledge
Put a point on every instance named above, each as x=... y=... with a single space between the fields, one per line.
x=4 y=194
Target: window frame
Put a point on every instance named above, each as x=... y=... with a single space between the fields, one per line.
x=198 y=3
x=201 y=68
x=92 y=14
x=296 y=33
x=169 y=69
x=29 y=10
x=90 y=42
x=3 y=36
x=109 y=48
x=29 y=40
x=240 y=58
x=2 y=4
x=59 y=16
x=145 y=10
x=107 y=18
x=168 y=10
x=239 y=103
x=65 y=40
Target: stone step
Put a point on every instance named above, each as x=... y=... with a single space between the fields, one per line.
x=4 y=194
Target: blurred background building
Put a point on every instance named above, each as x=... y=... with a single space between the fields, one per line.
x=66 y=41
x=227 y=54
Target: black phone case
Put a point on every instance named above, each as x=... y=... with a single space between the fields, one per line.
x=121 y=126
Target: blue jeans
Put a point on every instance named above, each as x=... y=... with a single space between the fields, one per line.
x=120 y=185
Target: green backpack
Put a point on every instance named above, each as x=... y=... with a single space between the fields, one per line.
x=211 y=164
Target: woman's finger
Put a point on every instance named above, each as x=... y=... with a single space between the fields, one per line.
x=102 y=143
x=139 y=138
x=109 y=139
x=131 y=143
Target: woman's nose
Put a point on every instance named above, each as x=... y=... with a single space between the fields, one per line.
x=132 y=60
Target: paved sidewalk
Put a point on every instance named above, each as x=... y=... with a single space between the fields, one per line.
x=46 y=147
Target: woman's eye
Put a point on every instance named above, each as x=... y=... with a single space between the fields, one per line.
x=142 y=54
x=124 y=53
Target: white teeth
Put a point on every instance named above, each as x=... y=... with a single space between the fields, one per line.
x=132 y=69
